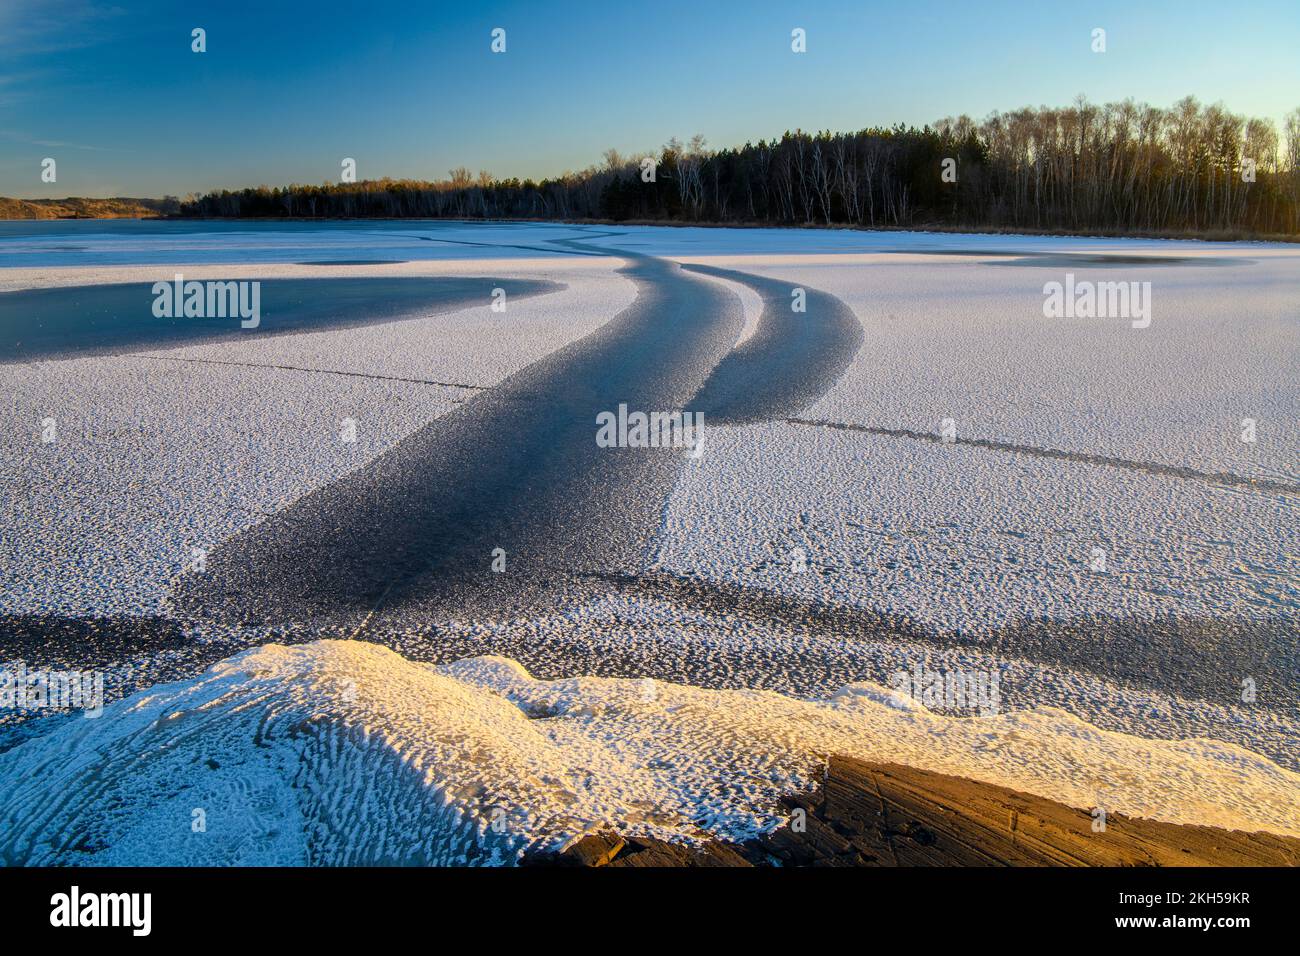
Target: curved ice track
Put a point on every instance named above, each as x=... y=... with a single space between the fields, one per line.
x=413 y=534
x=792 y=359
x=516 y=468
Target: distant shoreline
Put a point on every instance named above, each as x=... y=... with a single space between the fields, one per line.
x=1212 y=235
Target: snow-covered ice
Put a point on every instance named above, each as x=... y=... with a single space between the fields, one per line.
x=963 y=539
x=966 y=339
x=343 y=752
x=1106 y=439
x=159 y=452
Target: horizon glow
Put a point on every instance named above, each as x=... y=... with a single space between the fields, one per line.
x=283 y=94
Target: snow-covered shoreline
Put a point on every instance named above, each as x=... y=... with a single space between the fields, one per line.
x=343 y=752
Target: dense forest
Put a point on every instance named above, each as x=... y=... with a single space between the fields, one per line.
x=1123 y=167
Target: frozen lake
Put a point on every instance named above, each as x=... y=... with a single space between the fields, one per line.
x=907 y=461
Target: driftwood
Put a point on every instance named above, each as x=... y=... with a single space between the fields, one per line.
x=872 y=814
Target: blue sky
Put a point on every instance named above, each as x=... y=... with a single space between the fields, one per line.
x=287 y=89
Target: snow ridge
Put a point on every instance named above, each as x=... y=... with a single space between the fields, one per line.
x=344 y=752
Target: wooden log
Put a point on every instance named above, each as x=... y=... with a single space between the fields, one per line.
x=882 y=814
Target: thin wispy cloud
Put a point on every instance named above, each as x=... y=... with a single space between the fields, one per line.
x=38 y=28
x=33 y=35
x=17 y=136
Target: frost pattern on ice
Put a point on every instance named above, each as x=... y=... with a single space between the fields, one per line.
x=344 y=752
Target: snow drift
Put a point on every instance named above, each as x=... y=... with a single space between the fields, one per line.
x=344 y=752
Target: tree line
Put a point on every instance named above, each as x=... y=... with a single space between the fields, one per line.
x=1124 y=167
